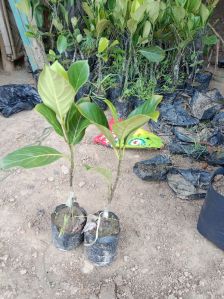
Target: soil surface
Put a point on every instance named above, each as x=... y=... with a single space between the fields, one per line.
x=161 y=254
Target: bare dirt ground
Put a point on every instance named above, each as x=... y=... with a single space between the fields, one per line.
x=161 y=254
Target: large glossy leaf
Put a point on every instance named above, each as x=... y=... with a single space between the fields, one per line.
x=59 y=69
x=148 y=108
x=55 y=92
x=125 y=128
x=78 y=74
x=76 y=125
x=93 y=113
x=153 y=54
x=30 y=157
x=50 y=116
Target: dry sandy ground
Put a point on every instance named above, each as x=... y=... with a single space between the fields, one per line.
x=161 y=254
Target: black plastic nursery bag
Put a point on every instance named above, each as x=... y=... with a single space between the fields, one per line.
x=211 y=219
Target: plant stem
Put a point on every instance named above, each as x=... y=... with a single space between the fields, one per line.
x=114 y=187
x=72 y=162
x=127 y=64
x=99 y=75
x=72 y=166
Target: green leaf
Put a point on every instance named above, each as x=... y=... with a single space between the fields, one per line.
x=108 y=134
x=24 y=6
x=50 y=116
x=64 y=13
x=30 y=157
x=93 y=113
x=62 y=44
x=55 y=92
x=153 y=9
x=76 y=125
x=193 y=6
x=111 y=4
x=78 y=74
x=39 y=14
x=112 y=109
x=153 y=54
x=83 y=100
x=138 y=15
x=79 y=38
x=181 y=2
x=114 y=43
x=106 y=173
x=148 y=107
x=59 y=69
x=103 y=44
x=178 y=13
x=125 y=128
x=147 y=29
x=132 y=26
x=88 y=10
x=57 y=24
x=101 y=26
x=210 y=40
x=204 y=12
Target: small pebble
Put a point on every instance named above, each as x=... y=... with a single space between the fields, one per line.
x=34 y=255
x=126 y=258
x=82 y=184
x=87 y=267
x=23 y=271
x=4 y=258
x=144 y=271
x=64 y=169
x=12 y=199
x=50 y=179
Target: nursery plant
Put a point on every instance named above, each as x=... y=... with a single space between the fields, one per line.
x=102 y=232
x=57 y=89
x=162 y=41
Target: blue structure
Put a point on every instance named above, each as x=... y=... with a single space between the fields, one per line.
x=34 y=51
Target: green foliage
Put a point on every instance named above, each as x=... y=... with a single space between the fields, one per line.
x=121 y=35
x=78 y=74
x=123 y=129
x=104 y=172
x=50 y=116
x=59 y=109
x=55 y=92
x=153 y=54
x=30 y=157
x=62 y=44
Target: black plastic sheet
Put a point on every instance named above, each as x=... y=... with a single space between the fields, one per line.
x=17 y=97
x=211 y=220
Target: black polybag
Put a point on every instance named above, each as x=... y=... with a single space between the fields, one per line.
x=17 y=97
x=211 y=219
x=103 y=251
